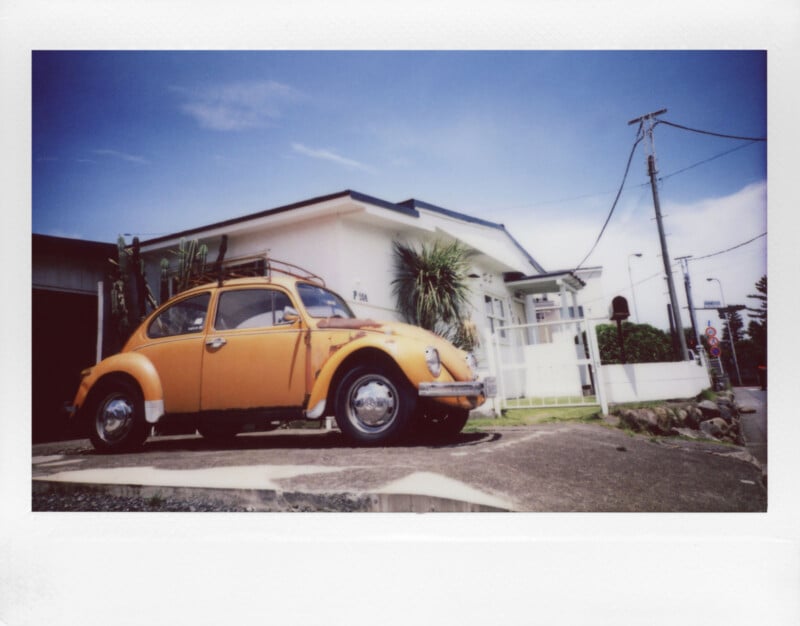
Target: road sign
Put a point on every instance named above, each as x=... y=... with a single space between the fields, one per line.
x=712 y=304
x=711 y=331
x=715 y=351
x=713 y=342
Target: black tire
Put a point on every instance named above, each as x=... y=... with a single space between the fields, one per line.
x=374 y=404
x=116 y=418
x=440 y=423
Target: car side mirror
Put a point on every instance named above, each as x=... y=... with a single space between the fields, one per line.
x=290 y=314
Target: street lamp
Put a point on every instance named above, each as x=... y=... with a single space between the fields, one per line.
x=730 y=330
x=630 y=279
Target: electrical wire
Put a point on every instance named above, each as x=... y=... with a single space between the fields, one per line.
x=677 y=263
x=744 y=243
x=708 y=132
x=694 y=165
x=639 y=138
x=646 y=184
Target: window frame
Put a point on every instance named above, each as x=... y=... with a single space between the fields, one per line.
x=497 y=323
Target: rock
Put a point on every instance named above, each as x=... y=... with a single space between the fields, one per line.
x=663 y=420
x=627 y=418
x=648 y=420
x=716 y=427
x=708 y=408
x=726 y=413
x=681 y=417
x=694 y=417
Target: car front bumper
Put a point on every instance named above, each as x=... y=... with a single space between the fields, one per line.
x=486 y=388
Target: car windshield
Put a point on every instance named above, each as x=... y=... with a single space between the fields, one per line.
x=320 y=302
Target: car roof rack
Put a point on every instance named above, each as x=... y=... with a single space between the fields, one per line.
x=258 y=265
x=290 y=269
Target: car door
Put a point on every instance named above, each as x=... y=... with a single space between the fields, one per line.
x=252 y=358
x=175 y=348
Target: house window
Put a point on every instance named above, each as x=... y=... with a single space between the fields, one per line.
x=572 y=312
x=496 y=315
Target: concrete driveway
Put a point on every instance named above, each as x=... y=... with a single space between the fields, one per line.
x=547 y=467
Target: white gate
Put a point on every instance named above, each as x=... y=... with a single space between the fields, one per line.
x=546 y=365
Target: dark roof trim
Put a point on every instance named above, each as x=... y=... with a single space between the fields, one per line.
x=413 y=203
x=512 y=277
x=359 y=197
x=50 y=243
x=408 y=207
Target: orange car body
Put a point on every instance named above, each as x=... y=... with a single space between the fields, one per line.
x=212 y=350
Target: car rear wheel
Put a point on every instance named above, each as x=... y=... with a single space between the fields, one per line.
x=117 y=418
x=374 y=405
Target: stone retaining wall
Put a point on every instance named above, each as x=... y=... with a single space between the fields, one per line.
x=715 y=420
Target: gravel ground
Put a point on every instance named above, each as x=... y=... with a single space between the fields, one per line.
x=89 y=500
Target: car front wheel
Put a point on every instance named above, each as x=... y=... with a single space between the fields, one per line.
x=374 y=405
x=117 y=419
x=441 y=423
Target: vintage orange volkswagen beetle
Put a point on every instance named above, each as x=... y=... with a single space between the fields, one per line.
x=251 y=353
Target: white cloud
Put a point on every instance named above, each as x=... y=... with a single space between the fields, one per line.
x=237 y=106
x=328 y=155
x=124 y=156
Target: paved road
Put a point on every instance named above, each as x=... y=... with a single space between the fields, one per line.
x=547 y=467
x=754 y=421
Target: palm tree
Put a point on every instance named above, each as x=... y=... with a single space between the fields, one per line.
x=431 y=288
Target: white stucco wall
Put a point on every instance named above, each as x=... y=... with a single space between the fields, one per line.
x=642 y=382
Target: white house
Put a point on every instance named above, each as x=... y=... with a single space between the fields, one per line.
x=347 y=238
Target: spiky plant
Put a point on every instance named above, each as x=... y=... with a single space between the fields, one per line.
x=431 y=287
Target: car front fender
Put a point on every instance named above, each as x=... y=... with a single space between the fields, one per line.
x=408 y=356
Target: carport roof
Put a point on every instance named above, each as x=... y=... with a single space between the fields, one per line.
x=549 y=282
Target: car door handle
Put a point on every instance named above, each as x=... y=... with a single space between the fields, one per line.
x=216 y=343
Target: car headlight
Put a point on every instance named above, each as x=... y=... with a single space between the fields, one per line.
x=433 y=362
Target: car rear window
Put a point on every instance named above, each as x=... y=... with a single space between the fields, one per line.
x=182 y=318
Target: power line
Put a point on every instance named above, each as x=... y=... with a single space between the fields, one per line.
x=643 y=185
x=704 y=161
x=676 y=263
x=639 y=138
x=708 y=132
x=744 y=243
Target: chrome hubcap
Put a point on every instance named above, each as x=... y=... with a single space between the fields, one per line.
x=115 y=418
x=373 y=403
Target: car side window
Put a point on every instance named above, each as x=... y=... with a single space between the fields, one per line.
x=250 y=308
x=182 y=318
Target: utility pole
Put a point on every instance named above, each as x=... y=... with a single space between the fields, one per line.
x=725 y=313
x=688 y=285
x=648 y=123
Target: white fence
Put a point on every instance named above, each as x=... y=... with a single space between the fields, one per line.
x=546 y=365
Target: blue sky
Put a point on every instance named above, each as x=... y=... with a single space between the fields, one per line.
x=151 y=143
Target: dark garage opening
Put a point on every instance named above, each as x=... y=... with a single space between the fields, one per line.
x=64 y=331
